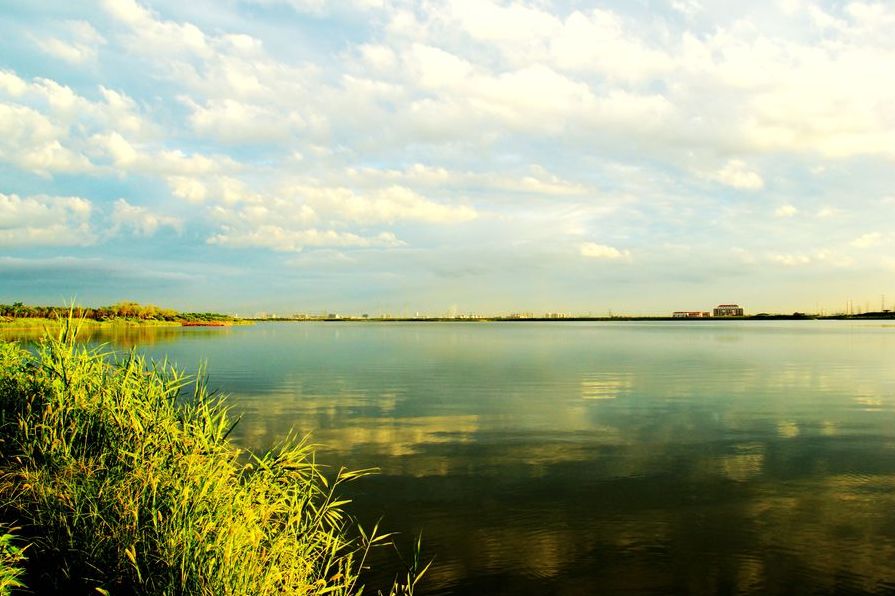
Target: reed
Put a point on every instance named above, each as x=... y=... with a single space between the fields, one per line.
x=121 y=476
x=11 y=559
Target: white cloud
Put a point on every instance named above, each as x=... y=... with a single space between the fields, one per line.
x=45 y=221
x=599 y=42
x=687 y=7
x=791 y=260
x=592 y=250
x=384 y=205
x=737 y=174
x=818 y=257
x=80 y=46
x=29 y=140
x=285 y=240
x=229 y=190
x=126 y=156
x=487 y=20
x=166 y=37
x=535 y=179
x=315 y=216
x=232 y=121
x=379 y=57
x=436 y=69
x=11 y=84
x=139 y=220
x=48 y=128
x=785 y=211
x=868 y=240
x=827 y=212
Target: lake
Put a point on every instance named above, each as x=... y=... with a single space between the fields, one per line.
x=576 y=458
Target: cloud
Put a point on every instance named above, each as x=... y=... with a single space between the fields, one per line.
x=139 y=220
x=29 y=140
x=822 y=256
x=868 y=240
x=291 y=219
x=785 y=211
x=790 y=260
x=600 y=42
x=47 y=128
x=593 y=250
x=385 y=205
x=45 y=221
x=285 y=240
x=212 y=188
x=535 y=179
x=737 y=174
x=126 y=156
x=232 y=121
x=688 y=8
x=827 y=212
x=490 y=125
x=491 y=21
x=66 y=108
x=79 y=46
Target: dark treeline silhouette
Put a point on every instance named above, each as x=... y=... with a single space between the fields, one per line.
x=122 y=310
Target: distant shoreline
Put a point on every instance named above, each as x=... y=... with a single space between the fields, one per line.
x=866 y=317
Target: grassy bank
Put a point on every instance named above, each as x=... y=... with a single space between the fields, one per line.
x=58 y=323
x=122 y=483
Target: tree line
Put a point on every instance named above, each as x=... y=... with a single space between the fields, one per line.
x=121 y=310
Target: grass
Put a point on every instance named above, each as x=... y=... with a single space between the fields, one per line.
x=124 y=482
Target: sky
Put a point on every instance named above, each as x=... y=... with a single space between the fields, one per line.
x=448 y=156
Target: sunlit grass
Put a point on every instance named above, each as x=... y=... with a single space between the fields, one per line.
x=124 y=482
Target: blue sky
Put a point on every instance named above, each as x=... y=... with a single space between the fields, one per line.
x=448 y=156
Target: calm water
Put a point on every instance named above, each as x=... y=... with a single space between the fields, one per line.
x=579 y=458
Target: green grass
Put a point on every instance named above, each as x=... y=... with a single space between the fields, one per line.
x=125 y=483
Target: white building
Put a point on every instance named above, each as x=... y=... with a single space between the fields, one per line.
x=727 y=310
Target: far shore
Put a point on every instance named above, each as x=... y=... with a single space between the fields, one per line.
x=470 y=319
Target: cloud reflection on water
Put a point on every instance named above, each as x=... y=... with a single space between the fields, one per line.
x=544 y=459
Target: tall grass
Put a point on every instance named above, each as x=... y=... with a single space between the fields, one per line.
x=125 y=484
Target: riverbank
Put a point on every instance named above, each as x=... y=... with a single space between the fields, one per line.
x=121 y=483
x=873 y=316
x=89 y=324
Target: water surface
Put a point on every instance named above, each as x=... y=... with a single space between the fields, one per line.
x=578 y=458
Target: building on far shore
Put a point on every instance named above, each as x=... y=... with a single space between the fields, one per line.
x=727 y=310
x=690 y=314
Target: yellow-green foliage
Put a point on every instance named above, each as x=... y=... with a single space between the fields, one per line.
x=125 y=485
x=11 y=558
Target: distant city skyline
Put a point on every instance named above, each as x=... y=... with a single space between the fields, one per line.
x=449 y=156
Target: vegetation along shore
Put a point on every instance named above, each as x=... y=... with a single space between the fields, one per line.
x=118 y=477
x=23 y=316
